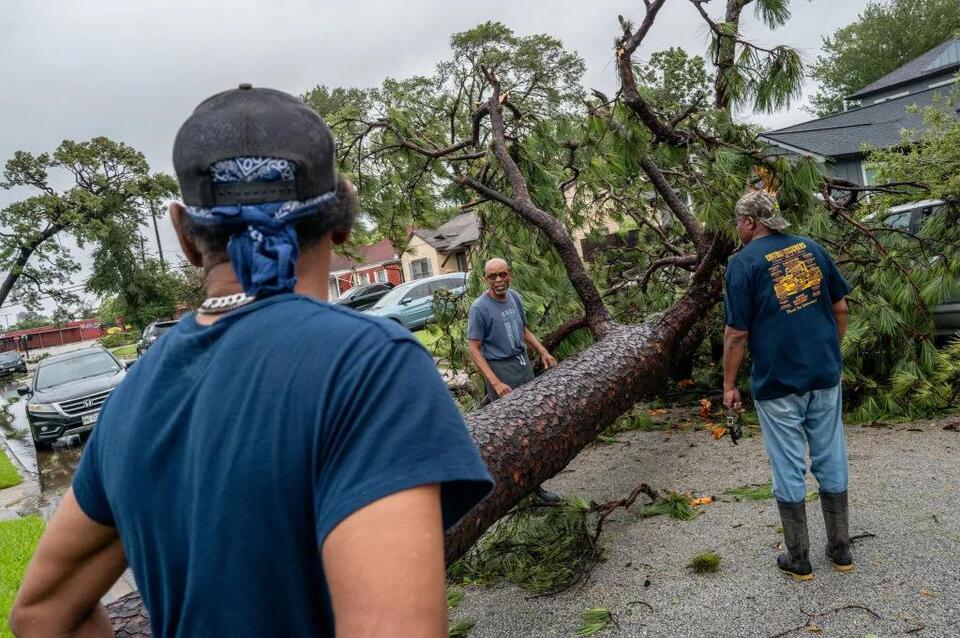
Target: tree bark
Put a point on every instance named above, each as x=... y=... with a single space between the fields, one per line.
x=23 y=256
x=535 y=431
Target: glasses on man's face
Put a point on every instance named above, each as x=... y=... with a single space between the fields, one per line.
x=497 y=276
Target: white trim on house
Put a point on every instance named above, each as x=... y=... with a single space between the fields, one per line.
x=795 y=149
x=942 y=83
x=892 y=97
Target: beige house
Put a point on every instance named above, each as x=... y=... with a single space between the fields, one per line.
x=447 y=249
x=444 y=250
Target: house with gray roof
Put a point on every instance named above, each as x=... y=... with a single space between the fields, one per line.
x=443 y=250
x=838 y=141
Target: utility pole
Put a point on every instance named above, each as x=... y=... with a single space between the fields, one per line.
x=156 y=230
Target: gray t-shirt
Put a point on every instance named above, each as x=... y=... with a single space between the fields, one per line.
x=499 y=325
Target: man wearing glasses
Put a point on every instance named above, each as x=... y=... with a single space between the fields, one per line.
x=499 y=338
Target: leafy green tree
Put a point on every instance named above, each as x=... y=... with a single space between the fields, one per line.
x=142 y=289
x=885 y=36
x=32 y=319
x=110 y=185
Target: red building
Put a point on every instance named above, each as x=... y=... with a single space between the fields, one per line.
x=375 y=262
x=46 y=336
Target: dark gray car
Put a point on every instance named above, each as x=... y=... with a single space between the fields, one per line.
x=151 y=333
x=67 y=392
x=12 y=363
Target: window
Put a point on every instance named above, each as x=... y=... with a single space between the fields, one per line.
x=421 y=291
x=420 y=268
x=382 y=276
x=81 y=367
x=869 y=175
x=900 y=221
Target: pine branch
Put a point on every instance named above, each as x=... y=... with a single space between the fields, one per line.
x=598 y=317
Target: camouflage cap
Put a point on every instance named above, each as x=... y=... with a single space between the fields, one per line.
x=764 y=207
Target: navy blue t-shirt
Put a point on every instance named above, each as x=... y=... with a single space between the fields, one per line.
x=230 y=452
x=781 y=288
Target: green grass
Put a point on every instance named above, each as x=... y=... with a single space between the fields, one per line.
x=18 y=539
x=129 y=350
x=8 y=473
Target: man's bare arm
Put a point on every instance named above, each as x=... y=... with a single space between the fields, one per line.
x=76 y=562
x=842 y=312
x=476 y=355
x=734 y=347
x=534 y=344
x=384 y=565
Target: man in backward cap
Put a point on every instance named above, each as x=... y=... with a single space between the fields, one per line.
x=275 y=465
x=786 y=300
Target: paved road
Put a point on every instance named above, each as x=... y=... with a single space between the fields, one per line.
x=904 y=486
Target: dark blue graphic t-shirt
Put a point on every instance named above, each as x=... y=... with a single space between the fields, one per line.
x=231 y=451
x=499 y=325
x=781 y=288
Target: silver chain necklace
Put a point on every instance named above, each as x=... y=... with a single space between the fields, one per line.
x=220 y=305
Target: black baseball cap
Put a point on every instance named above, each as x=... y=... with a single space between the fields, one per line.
x=253 y=122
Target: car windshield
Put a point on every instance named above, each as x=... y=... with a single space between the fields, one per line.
x=82 y=367
x=392 y=297
x=7 y=357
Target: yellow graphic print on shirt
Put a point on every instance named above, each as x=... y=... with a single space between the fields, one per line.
x=796 y=277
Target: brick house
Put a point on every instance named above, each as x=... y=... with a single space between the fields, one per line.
x=377 y=262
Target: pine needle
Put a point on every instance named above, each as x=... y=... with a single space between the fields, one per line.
x=594 y=621
x=673 y=505
x=454 y=597
x=705 y=563
x=460 y=628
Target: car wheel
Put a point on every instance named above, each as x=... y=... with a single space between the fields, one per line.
x=42 y=445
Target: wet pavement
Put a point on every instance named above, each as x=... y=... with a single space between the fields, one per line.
x=48 y=473
x=51 y=470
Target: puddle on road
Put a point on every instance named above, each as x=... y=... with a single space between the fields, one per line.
x=52 y=469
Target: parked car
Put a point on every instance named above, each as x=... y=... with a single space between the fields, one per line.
x=411 y=304
x=12 y=363
x=909 y=217
x=365 y=295
x=151 y=333
x=67 y=392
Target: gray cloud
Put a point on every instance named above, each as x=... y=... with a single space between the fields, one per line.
x=133 y=71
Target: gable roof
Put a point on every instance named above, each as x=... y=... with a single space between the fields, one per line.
x=456 y=233
x=878 y=125
x=939 y=59
x=380 y=252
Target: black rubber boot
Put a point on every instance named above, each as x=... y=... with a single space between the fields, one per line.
x=836 y=519
x=796 y=560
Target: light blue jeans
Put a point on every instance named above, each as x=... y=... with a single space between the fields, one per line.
x=792 y=422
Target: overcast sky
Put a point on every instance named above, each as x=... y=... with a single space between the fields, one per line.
x=133 y=70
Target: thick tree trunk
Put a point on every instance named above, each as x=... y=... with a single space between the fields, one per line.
x=534 y=432
x=23 y=256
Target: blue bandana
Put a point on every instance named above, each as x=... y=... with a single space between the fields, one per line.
x=263 y=251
